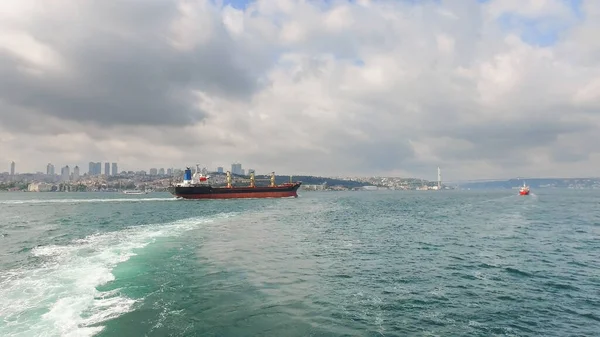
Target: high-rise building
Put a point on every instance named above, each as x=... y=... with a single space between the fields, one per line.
x=161 y=171
x=236 y=168
x=107 y=169
x=50 y=169
x=153 y=171
x=170 y=171
x=76 y=173
x=220 y=169
x=12 y=168
x=95 y=168
x=65 y=173
x=115 y=169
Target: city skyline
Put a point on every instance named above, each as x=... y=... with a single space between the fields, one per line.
x=95 y=168
x=348 y=88
x=435 y=176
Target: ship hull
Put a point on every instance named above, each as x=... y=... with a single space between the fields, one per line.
x=209 y=192
x=523 y=192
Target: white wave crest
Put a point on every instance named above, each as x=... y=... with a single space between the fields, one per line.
x=77 y=201
x=59 y=297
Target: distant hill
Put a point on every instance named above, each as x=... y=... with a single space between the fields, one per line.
x=307 y=180
x=312 y=180
x=535 y=183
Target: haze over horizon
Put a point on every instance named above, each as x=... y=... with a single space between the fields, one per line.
x=480 y=88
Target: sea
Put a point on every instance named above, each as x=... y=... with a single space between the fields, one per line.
x=364 y=263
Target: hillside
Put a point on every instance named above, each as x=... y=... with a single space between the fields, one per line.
x=579 y=183
x=306 y=180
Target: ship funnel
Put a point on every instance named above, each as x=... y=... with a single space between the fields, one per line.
x=188 y=174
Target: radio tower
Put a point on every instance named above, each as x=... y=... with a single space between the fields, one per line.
x=439 y=178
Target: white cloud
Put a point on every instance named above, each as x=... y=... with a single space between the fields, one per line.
x=194 y=26
x=529 y=8
x=38 y=56
x=379 y=87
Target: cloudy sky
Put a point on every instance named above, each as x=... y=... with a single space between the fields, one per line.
x=496 y=88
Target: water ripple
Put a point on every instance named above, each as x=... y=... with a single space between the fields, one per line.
x=340 y=264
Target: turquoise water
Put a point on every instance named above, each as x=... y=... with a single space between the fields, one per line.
x=455 y=263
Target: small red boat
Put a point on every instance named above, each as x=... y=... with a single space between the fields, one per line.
x=524 y=190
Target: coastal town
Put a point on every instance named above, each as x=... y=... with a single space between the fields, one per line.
x=158 y=183
x=159 y=179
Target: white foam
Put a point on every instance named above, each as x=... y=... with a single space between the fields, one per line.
x=59 y=296
x=77 y=201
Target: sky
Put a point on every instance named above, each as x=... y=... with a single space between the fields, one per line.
x=482 y=89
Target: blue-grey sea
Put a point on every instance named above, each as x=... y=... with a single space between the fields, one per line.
x=374 y=263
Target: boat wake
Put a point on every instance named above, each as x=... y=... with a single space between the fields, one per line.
x=76 y=201
x=58 y=294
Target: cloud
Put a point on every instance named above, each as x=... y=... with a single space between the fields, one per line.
x=503 y=88
x=121 y=64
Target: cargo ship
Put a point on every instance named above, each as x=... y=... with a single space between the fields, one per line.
x=199 y=187
x=524 y=190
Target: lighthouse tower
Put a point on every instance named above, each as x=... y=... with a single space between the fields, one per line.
x=439 y=178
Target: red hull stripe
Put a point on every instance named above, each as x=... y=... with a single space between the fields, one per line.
x=270 y=194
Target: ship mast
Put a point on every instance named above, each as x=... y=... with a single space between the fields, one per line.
x=252 y=179
x=272 y=179
x=228 y=179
